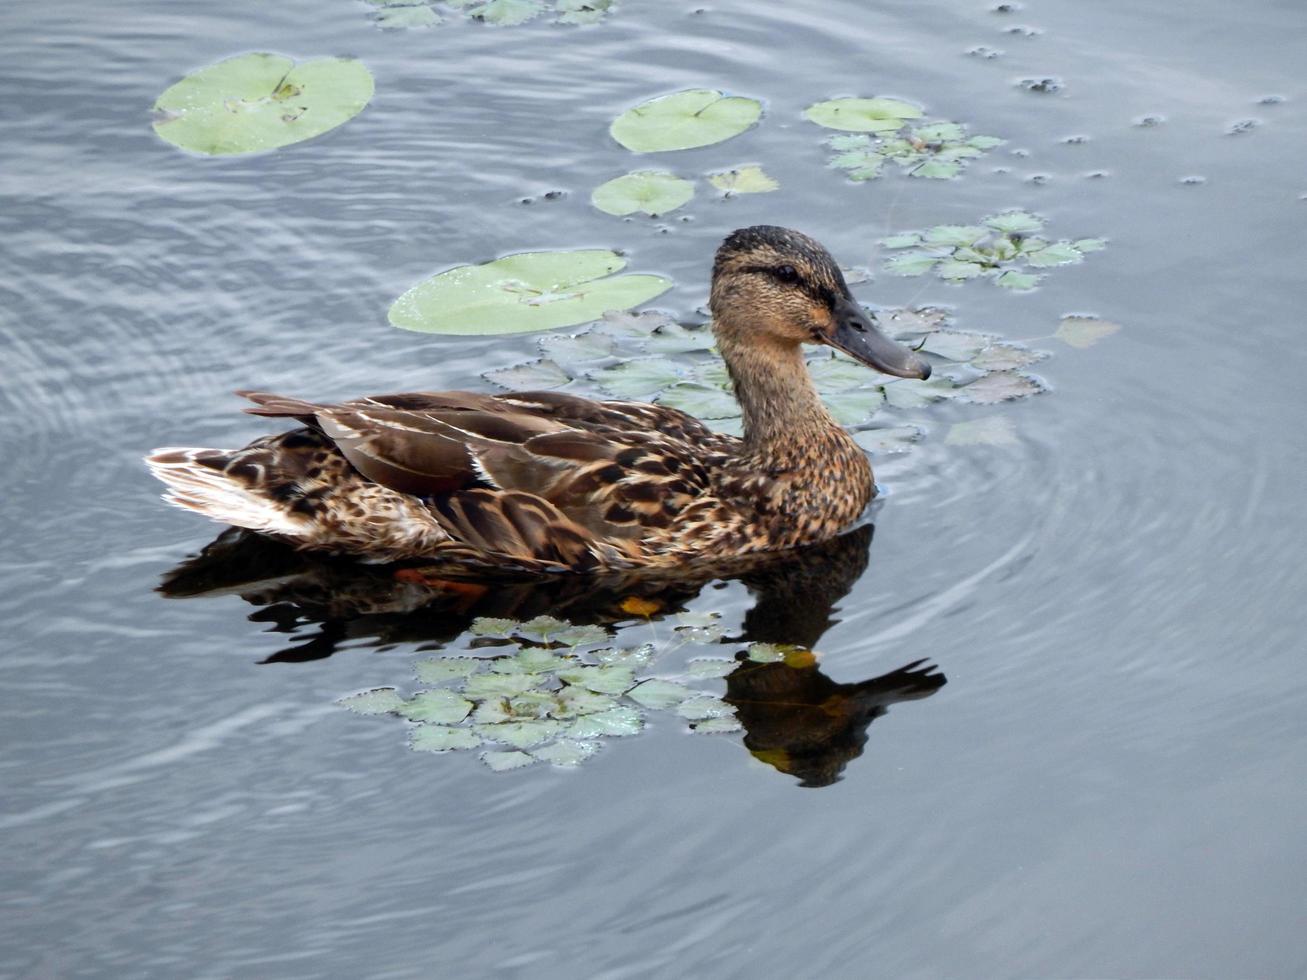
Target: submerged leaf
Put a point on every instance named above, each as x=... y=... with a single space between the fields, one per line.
x=582 y=11
x=683 y=120
x=912 y=263
x=519 y=734
x=1084 y=331
x=403 y=18
x=523 y=292
x=637 y=378
x=1059 y=253
x=1017 y=280
x=260 y=101
x=1015 y=222
x=700 y=401
x=706 y=667
x=601 y=680
x=703 y=706
x=1005 y=357
x=494 y=685
x=652 y=192
x=569 y=350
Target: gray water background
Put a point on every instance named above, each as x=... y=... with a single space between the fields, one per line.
x=1111 y=784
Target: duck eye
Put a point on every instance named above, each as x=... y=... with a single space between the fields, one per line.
x=786 y=273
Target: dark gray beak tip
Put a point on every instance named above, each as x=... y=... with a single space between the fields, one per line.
x=925 y=369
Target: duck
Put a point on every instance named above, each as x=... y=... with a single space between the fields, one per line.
x=551 y=482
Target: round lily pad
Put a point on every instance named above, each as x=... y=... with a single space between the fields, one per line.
x=653 y=192
x=683 y=120
x=862 y=115
x=524 y=292
x=260 y=101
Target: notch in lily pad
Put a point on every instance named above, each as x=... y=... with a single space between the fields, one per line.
x=684 y=120
x=522 y=293
x=260 y=101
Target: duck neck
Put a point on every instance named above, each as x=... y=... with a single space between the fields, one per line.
x=781 y=408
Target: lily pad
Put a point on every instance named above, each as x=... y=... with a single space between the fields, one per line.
x=700 y=401
x=260 y=101
x=441 y=706
x=996 y=430
x=504 y=761
x=652 y=192
x=439 y=669
x=683 y=120
x=506 y=13
x=748 y=179
x=877 y=115
x=1084 y=331
x=566 y=752
x=1001 y=386
x=442 y=738
x=708 y=667
x=519 y=734
x=657 y=693
x=601 y=680
x=380 y=701
x=530 y=376
x=522 y=293
x=622 y=720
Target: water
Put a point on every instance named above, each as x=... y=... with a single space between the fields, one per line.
x=1110 y=782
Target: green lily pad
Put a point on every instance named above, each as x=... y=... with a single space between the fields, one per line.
x=504 y=761
x=912 y=263
x=523 y=292
x=260 y=101
x=1015 y=222
x=1084 y=331
x=909 y=239
x=721 y=725
x=957 y=345
x=530 y=376
x=1090 y=245
x=953 y=269
x=494 y=685
x=862 y=115
x=1059 y=253
x=632 y=657
x=700 y=401
x=622 y=720
x=489 y=626
x=570 y=350
x=601 y=680
x=542 y=628
x=996 y=430
x=937 y=169
x=684 y=120
x=954 y=235
x=506 y=13
x=1017 y=280
x=575 y=636
x=703 y=706
x=566 y=752
x=439 y=669
x=918 y=393
x=1001 y=386
x=441 y=738
x=652 y=192
x=855 y=406
x=441 y=706
x=708 y=667
x=574 y=702
x=1005 y=357
x=530 y=660
x=519 y=734
x=380 y=701
x=406 y=17
x=637 y=378
x=831 y=373
x=748 y=179
x=657 y=693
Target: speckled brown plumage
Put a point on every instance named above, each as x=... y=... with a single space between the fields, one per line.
x=545 y=481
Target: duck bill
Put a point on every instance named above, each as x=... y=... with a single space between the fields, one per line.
x=857 y=335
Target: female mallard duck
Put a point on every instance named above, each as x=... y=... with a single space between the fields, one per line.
x=544 y=481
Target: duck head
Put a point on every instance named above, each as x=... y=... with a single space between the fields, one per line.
x=775 y=286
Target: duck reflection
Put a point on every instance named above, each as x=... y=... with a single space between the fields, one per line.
x=795 y=718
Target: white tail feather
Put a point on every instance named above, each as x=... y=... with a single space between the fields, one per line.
x=194 y=486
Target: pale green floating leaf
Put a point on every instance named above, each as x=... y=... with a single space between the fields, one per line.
x=523 y=292
x=709 y=667
x=566 y=752
x=922 y=320
x=637 y=378
x=1028 y=245
x=440 y=669
x=575 y=636
x=672 y=338
x=504 y=761
x=531 y=376
x=652 y=192
x=937 y=169
x=985 y=142
x=1000 y=386
x=488 y=626
x=1084 y=331
x=1017 y=280
x=440 y=738
x=260 y=101
x=877 y=115
x=1015 y=222
x=507 y=13
x=911 y=263
x=915 y=394
x=519 y=734
x=531 y=705
x=530 y=660
x=723 y=725
x=849 y=141
x=940 y=132
x=907 y=240
x=379 y=701
x=1091 y=244
x=954 y=235
x=406 y=17
x=888 y=441
x=625 y=324
x=957 y=152
x=703 y=706
x=569 y=350
x=995 y=430
x=868 y=170
x=1005 y=357
x=602 y=680
x=441 y=706
x=683 y=120
x=622 y=720
x=541 y=628
x=957 y=345
x=748 y=179
x=657 y=693
x=1059 y=253
x=953 y=269
x=854 y=406
x=834 y=373
x=626 y=656
x=576 y=701
x=700 y=401
x=495 y=685
x=492 y=710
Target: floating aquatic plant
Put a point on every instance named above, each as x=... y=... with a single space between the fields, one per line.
x=937 y=149
x=552 y=692
x=497 y=13
x=260 y=101
x=524 y=292
x=746 y=179
x=652 y=192
x=878 y=115
x=1002 y=248
x=684 y=120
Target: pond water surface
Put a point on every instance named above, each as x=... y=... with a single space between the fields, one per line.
x=1109 y=784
